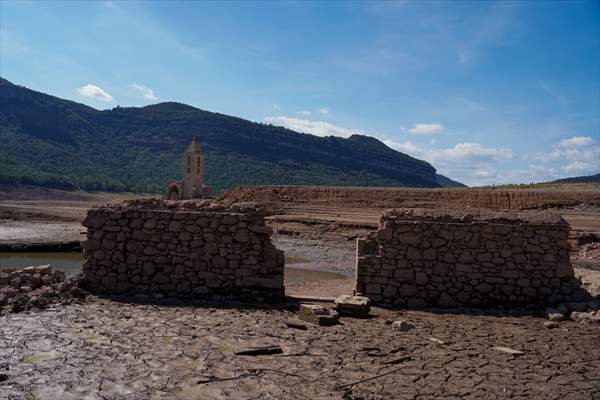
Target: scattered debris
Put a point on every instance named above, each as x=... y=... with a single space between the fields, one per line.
x=397 y=360
x=555 y=315
x=78 y=292
x=34 y=287
x=402 y=326
x=295 y=325
x=367 y=379
x=353 y=306
x=259 y=351
x=592 y=317
x=319 y=315
x=508 y=350
x=436 y=340
x=550 y=324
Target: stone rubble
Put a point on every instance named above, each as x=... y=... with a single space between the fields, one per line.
x=353 y=306
x=588 y=312
x=402 y=326
x=555 y=315
x=592 y=317
x=35 y=287
x=551 y=324
x=318 y=315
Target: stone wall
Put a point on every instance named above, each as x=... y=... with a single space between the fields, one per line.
x=432 y=258
x=190 y=249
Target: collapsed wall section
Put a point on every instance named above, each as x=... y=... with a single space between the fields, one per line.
x=190 y=249
x=424 y=258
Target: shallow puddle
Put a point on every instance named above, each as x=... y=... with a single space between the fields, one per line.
x=71 y=263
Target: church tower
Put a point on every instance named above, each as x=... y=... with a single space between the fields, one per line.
x=193 y=171
x=192 y=186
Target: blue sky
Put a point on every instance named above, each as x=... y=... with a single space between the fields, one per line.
x=488 y=92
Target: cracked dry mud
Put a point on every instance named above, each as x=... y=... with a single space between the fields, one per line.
x=105 y=349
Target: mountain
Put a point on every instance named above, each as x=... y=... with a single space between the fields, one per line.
x=446 y=182
x=59 y=143
x=580 y=179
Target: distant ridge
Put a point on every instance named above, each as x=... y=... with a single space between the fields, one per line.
x=579 y=179
x=60 y=143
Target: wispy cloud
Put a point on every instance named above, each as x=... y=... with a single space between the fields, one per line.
x=144 y=90
x=470 y=163
x=576 y=142
x=321 y=110
x=577 y=155
x=95 y=92
x=112 y=5
x=562 y=100
x=319 y=128
x=463 y=56
x=576 y=148
x=580 y=168
x=460 y=152
x=426 y=129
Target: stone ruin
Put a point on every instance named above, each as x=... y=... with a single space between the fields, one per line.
x=195 y=249
x=423 y=258
x=189 y=249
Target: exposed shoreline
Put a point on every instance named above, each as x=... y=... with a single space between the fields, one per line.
x=73 y=246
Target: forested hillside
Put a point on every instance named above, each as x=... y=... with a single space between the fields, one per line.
x=55 y=142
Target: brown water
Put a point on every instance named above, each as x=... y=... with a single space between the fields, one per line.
x=71 y=263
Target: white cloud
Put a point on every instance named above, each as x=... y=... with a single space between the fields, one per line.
x=576 y=141
x=95 y=92
x=426 y=129
x=470 y=151
x=485 y=171
x=470 y=163
x=144 y=90
x=575 y=156
x=305 y=112
x=406 y=147
x=581 y=149
x=319 y=128
x=324 y=111
x=580 y=168
x=466 y=151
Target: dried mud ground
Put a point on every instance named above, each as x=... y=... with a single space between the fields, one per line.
x=104 y=349
x=109 y=349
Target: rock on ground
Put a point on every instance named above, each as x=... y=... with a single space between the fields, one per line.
x=106 y=349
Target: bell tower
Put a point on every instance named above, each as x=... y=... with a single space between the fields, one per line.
x=193 y=171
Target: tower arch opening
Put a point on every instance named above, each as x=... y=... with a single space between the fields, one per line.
x=173 y=192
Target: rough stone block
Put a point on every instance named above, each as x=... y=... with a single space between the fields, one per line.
x=353 y=306
x=318 y=315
